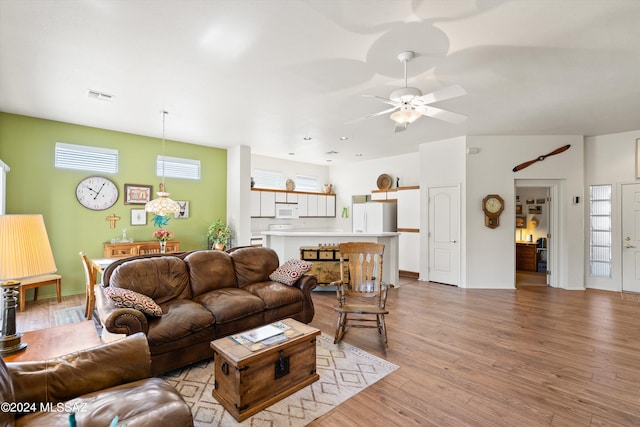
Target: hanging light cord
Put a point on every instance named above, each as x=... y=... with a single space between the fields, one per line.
x=164 y=116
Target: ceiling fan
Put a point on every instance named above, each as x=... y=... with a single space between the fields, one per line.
x=412 y=104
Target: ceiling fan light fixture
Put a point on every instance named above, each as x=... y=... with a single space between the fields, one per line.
x=405 y=116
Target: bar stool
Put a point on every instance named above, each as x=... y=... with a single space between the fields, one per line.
x=36 y=282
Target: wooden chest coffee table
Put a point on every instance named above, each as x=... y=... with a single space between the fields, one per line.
x=247 y=380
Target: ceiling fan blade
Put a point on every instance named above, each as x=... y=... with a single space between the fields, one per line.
x=372 y=115
x=440 y=114
x=382 y=99
x=441 y=95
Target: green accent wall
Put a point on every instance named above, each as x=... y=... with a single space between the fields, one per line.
x=35 y=186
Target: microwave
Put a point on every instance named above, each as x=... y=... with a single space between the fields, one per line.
x=286 y=210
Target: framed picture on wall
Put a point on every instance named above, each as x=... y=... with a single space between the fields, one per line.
x=521 y=221
x=535 y=210
x=184 y=209
x=518 y=209
x=136 y=194
x=138 y=217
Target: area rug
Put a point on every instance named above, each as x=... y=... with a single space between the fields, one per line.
x=344 y=371
x=63 y=316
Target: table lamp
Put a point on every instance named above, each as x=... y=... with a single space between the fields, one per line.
x=24 y=252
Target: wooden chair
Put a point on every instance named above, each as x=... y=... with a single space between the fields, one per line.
x=360 y=290
x=35 y=282
x=90 y=297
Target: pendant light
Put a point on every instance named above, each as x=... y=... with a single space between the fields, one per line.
x=162 y=205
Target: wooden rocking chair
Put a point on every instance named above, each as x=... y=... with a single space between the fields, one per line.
x=361 y=291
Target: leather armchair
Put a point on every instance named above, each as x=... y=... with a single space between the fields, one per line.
x=97 y=384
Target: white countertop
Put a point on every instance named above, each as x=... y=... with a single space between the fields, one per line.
x=305 y=233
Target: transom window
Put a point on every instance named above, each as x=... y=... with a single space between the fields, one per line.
x=83 y=157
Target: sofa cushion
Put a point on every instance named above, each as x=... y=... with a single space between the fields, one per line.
x=130 y=299
x=275 y=294
x=230 y=304
x=210 y=270
x=139 y=403
x=289 y=272
x=254 y=264
x=161 y=278
x=181 y=317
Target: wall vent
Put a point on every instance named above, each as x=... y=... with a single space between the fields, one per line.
x=99 y=95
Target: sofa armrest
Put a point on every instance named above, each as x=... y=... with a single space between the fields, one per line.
x=72 y=375
x=119 y=320
x=307 y=283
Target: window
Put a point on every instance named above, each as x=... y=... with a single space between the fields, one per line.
x=175 y=167
x=82 y=157
x=267 y=179
x=600 y=230
x=307 y=183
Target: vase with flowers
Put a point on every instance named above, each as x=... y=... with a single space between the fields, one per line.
x=162 y=236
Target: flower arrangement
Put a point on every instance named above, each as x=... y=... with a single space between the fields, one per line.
x=163 y=234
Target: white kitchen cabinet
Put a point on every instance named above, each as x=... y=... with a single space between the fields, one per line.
x=408 y=207
x=322 y=205
x=263 y=204
x=312 y=204
x=303 y=205
x=331 y=205
x=383 y=194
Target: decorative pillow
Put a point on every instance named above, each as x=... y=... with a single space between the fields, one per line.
x=130 y=299
x=290 y=271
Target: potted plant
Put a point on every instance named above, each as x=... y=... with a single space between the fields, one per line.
x=219 y=234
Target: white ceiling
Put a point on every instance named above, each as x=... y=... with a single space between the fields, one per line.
x=267 y=73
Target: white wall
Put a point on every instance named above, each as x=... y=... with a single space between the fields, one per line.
x=610 y=159
x=490 y=252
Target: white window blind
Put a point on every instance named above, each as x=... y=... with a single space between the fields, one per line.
x=600 y=230
x=175 y=167
x=307 y=183
x=267 y=179
x=83 y=157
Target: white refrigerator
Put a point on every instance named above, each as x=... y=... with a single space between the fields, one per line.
x=374 y=217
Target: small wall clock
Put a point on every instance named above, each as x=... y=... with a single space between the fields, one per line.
x=97 y=193
x=492 y=205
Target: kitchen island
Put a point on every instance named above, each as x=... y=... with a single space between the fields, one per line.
x=287 y=245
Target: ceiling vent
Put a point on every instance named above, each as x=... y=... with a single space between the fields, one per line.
x=99 y=95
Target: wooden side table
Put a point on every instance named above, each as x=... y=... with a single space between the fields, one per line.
x=43 y=344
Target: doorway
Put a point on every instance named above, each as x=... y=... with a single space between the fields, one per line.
x=535 y=223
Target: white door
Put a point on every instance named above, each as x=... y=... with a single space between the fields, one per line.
x=631 y=237
x=444 y=235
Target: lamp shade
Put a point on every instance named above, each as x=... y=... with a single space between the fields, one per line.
x=24 y=247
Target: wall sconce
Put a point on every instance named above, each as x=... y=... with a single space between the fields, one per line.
x=534 y=222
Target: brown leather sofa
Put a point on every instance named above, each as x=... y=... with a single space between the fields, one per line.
x=96 y=384
x=204 y=295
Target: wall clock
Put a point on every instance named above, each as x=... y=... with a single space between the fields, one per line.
x=97 y=193
x=492 y=205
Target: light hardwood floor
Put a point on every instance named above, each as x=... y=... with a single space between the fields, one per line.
x=532 y=356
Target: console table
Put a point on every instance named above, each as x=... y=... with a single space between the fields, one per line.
x=121 y=250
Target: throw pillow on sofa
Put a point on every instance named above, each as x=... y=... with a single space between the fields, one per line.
x=290 y=271
x=130 y=299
